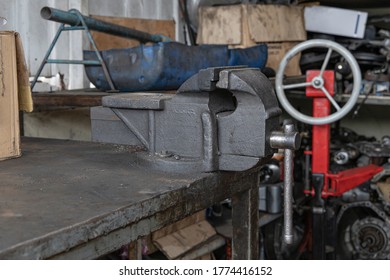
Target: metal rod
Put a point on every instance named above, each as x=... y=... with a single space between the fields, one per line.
x=44 y=61
x=289 y=140
x=72 y=19
x=73 y=28
x=99 y=56
x=288 y=189
x=68 y=61
x=334 y=103
x=326 y=61
x=299 y=85
x=307 y=185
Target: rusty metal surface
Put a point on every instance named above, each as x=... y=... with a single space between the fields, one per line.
x=68 y=199
x=245 y=221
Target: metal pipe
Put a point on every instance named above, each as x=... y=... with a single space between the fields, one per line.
x=307 y=185
x=288 y=189
x=72 y=18
x=289 y=140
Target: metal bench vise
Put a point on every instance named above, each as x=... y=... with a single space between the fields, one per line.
x=219 y=119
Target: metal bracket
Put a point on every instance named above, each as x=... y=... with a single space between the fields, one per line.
x=82 y=26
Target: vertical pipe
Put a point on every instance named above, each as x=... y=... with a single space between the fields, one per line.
x=288 y=189
x=307 y=185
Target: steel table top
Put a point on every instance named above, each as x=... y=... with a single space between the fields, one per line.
x=80 y=200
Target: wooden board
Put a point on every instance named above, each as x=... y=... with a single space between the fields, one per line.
x=186 y=222
x=72 y=98
x=181 y=241
x=106 y=41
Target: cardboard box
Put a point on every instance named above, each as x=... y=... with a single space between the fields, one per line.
x=9 y=108
x=276 y=52
x=241 y=26
x=335 y=21
x=15 y=93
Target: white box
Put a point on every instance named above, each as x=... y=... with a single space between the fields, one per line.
x=335 y=21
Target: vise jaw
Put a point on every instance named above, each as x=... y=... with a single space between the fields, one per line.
x=219 y=119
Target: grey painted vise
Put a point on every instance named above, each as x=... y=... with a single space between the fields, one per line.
x=219 y=119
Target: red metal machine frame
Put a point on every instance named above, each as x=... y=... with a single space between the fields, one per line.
x=334 y=184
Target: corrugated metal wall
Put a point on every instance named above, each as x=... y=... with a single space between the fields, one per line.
x=37 y=33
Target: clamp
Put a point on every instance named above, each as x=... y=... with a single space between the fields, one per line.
x=219 y=119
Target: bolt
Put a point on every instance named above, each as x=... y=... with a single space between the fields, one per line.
x=317 y=83
x=165 y=154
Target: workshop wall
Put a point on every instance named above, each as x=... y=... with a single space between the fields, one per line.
x=24 y=17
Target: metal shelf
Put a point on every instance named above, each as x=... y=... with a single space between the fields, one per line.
x=300 y=94
x=370 y=100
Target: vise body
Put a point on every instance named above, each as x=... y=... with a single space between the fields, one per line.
x=219 y=119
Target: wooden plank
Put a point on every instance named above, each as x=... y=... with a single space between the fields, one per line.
x=186 y=222
x=181 y=241
x=106 y=41
x=68 y=98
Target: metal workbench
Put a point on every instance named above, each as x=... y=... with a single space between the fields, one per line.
x=80 y=200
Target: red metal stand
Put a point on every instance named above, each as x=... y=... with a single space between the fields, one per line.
x=334 y=184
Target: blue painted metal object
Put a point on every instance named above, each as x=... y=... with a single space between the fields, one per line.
x=165 y=66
